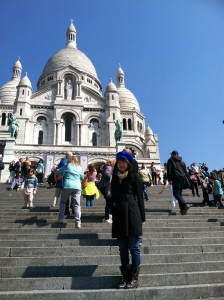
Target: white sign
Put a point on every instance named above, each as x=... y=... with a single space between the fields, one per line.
x=49 y=164
x=83 y=161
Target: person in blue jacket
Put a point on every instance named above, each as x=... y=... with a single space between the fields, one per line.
x=72 y=176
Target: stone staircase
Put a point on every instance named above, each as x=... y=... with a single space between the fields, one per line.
x=182 y=256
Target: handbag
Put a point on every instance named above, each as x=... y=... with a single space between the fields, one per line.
x=84 y=182
x=107 y=192
x=38 y=171
x=59 y=183
x=187 y=184
x=210 y=197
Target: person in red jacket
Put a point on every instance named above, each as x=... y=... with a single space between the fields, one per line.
x=194 y=182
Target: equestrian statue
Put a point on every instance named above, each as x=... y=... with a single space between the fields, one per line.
x=118 y=131
x=13 y=126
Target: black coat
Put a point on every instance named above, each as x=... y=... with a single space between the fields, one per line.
x=128 y=206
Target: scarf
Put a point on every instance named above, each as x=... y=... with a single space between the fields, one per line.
x=122 y=175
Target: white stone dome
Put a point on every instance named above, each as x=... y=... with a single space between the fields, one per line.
x=148 y=131
x=71 y=28
x=120 y=72
x=111 y=87
x=17 y=64
x=8 y=92
x=25 y=81
x=71 y=56
x=127 y=99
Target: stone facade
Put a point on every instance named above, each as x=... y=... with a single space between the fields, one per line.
x=69 y=113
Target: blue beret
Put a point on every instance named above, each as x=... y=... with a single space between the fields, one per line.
x=126 y=156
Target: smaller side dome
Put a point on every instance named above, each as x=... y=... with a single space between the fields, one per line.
x=148 y=131
x=111 y=87
x=119 y=71
x=17 y=64
x=25 y=81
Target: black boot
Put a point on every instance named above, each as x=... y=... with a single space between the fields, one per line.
x=125 y=276
x=133 y=279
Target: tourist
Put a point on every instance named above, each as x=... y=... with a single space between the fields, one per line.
x=17 y=181
x=18 y=166
x=72 y=177
x=134 y=163
x=146 y=180
x=128 y=217
x=217 y=191
x=90 y=191
x=58 y=186
x=173 y=201
x=105 y=188
x=61 y=164
x=176 y=175
x=12 y=172
x=194 y=181
x=40 y=171
x=2 y=166
x=30 y=188
x=25 y=167
x=153 y=173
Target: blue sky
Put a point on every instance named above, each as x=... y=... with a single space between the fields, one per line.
x=172 y=53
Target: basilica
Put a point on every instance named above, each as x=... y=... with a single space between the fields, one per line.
x=70 y=112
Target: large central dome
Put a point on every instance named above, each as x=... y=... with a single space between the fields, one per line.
x=71 y=56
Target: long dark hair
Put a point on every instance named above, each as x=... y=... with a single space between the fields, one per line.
x=131 y=171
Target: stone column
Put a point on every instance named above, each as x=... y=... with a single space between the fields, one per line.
x=135 y=122
x=77 y=134
x=7 y=158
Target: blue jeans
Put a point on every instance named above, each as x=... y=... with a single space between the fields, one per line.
x=145 y=189
x=90 y=200
x=178 y=184
x=129 y=243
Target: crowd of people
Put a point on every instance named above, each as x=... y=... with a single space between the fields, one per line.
x=125 y=187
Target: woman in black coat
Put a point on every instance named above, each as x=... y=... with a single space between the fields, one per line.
x=128 y=216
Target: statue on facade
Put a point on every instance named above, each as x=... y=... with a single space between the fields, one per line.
x=13 y=126
x=118 y=131
x=69 y=90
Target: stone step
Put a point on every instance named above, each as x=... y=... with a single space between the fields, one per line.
x=200 y=291
x=109 y=282
x=105 y=250
x=107 y=270
x=182 y=256
x=109 y=259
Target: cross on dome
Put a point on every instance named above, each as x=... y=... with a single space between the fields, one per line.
x=71 y=21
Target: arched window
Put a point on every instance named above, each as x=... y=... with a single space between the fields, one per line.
x=22 y=92
x=129 y=124
x=112 y=97
x=3 y=118
x=113 y=116
x=40 y=137
x=94 y=139
x=68 y=130
x=21 y=111
x=124 y=124
x=138 y=125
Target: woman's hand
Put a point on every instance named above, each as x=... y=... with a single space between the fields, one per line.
x=34 y=192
